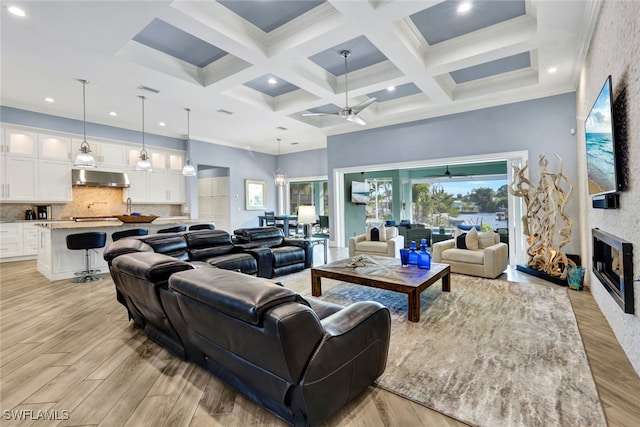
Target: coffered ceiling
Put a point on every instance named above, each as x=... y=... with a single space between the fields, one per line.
x=249 y=70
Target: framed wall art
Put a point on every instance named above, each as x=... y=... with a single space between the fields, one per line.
x=255 y=193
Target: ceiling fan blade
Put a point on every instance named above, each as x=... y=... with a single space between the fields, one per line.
x=359 y=107
x=355 y=119
x=321 y=114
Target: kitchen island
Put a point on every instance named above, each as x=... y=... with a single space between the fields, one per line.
x=56 y=262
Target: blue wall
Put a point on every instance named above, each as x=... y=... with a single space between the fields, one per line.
x=539 y=126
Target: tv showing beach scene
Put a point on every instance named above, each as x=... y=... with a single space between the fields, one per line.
x=601 y=165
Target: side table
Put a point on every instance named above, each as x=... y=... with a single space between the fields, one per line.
x=320 y=241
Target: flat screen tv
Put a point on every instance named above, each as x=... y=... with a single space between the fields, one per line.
x=599 y=136
x=359 y=193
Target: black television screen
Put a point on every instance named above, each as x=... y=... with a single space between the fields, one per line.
x=599 y=136
x=359 y=193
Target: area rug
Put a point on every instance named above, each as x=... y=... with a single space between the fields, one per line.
x=488 y=353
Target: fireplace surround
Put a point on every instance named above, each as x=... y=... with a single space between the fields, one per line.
x=613 y=266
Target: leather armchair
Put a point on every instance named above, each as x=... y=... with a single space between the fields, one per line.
x=143 y=280
x=287 y=255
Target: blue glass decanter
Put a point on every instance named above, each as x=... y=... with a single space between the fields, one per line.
x=424 y=257
x=413 y=255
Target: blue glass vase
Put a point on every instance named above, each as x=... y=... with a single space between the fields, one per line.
x=424 y=257
x=413 y=255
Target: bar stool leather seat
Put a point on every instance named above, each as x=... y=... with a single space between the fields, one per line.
x=176 y=229
x=130 y=232
x=86 y=241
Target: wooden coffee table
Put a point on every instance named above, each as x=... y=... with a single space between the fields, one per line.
x=384 y=273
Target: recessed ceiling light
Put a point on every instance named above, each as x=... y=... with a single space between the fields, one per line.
x=49 y=99
x=552 y=70
x=391 y=88
x=464 y=7
x=272 y=81
x=113 y=113
x=16 y=11
x=162 y=124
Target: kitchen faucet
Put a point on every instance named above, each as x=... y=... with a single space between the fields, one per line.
x=96 y=203
x=129 y=205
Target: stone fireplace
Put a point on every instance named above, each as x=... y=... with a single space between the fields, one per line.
x=613 y=266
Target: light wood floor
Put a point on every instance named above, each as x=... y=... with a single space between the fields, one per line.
x=69 y=347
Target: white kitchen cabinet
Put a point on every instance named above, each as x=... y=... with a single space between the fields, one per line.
x=18 y=142
x=54 y=181
x=161 y=160
x=18 y=165
x=18 y=241
x=112 y=156
x=109 y=156
x=175 y=188
x=54 y=147
x=11 y=240
x=56 y=262
x=30 y=241
x=155 y=187
x=138 y=190
x=45 y=254
x=19 y=177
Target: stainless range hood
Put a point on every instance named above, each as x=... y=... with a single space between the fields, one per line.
x=93 y=178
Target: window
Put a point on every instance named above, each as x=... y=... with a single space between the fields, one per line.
x=309 y=193
x=380 y=206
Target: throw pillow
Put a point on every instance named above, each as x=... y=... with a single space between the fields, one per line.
x=486 y=239
x=467 y=227
x=374 y=234
x=468 y=240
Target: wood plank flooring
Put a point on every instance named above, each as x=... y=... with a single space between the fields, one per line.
x=68 y=351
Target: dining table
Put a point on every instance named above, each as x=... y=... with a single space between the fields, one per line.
x=285 y=221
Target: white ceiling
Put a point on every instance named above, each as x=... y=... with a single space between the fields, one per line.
x=44 y=53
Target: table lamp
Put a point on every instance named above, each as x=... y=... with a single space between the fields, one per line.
x=307 y=217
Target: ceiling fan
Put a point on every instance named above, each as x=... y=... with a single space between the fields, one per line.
x=349 y=113
x=446 y=174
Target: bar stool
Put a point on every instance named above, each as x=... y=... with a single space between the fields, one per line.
x=130 y=232
x=86 y=241
x=202 y=227
x=175 y=229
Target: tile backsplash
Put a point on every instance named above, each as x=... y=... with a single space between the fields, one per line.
x=90 y=201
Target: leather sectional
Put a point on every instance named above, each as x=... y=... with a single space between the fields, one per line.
x=300 y=358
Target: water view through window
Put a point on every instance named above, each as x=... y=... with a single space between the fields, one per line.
x=447 y=204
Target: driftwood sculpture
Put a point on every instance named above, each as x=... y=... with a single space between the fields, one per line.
x=545 y=222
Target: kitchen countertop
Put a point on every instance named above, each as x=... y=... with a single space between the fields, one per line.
x=69 y=224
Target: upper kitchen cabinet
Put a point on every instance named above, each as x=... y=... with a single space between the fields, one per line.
x=111 y=156
x=18 y=165
x=54 y=147
x=16 y=142
x=161 y=160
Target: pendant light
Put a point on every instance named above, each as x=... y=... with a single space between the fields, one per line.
x=279 y=176
x=143 y=164
x=188 y=169
x=84 y=159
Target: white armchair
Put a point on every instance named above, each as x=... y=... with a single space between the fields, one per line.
x=489 y=260
x=388 y=246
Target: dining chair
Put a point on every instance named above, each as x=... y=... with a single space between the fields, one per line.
x=269 y=219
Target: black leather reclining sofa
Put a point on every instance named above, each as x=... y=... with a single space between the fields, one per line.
x=300 y=358
x=258 y=251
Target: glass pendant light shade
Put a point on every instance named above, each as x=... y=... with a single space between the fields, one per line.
x=84 y=159
x=279 y=176
x=143 y=164
x=188 y=169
